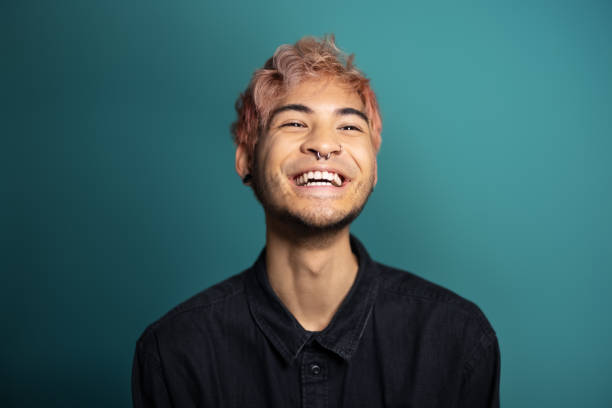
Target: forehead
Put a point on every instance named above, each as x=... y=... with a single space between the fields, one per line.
x=322 y=92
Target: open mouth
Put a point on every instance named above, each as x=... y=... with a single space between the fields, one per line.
x=319 y=178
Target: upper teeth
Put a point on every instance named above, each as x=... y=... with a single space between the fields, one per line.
x=318 y=178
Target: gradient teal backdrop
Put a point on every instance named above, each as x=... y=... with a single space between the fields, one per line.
x=119 y=196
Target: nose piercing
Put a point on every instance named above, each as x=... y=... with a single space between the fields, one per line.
x=328 y=155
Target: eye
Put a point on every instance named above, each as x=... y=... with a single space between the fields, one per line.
x=293 y=124
x=351 y=127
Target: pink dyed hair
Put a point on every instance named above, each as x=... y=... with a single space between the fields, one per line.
x=308 y=58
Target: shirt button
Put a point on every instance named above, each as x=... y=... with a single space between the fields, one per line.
x=315 y=369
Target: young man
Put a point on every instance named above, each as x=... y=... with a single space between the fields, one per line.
x=315 y=322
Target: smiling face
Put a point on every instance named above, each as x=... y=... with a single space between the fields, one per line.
x=315 y=164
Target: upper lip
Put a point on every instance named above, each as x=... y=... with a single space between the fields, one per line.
x=328 y=169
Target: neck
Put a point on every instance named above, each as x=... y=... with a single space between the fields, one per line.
x=310 y=273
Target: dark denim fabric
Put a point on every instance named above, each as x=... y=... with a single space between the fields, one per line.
x=396 y=341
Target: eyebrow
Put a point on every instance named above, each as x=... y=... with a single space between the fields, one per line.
x=305 y=109
x=292 y=107
x=352 y=111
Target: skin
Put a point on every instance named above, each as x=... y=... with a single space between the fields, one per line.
x=308 y=256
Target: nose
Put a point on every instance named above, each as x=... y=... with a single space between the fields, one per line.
x=322 y=144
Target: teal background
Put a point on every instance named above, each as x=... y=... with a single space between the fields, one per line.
x=119 y=196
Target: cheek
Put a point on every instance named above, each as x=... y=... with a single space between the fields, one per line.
x=263 y=158
x=271 y=158
x=280 y=153
x=366 y=158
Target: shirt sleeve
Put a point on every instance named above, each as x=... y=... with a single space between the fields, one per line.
x=481 y=382
x=148 y=385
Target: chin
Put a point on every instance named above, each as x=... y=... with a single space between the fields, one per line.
x=313 y=222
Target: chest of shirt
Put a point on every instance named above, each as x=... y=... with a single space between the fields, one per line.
x=391 y=367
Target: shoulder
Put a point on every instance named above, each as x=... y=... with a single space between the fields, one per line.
x=410 y=287
x=430 y=308
x=196 y=312
x=447 y=333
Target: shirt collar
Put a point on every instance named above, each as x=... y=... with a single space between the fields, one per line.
x=346 y=328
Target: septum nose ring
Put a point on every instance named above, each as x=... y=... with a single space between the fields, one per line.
x=328 y=155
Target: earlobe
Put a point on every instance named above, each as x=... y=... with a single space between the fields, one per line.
x=242 y=163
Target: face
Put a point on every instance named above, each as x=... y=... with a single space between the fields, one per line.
x=315 y=165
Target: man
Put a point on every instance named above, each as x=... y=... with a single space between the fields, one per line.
x=315 y=322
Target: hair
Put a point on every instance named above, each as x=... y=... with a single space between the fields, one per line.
x=309 y=58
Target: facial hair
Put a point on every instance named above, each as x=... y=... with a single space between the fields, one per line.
x=298 y=222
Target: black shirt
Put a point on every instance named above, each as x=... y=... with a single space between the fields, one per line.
x=396 y=341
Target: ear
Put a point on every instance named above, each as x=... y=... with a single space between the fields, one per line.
x=242 y=161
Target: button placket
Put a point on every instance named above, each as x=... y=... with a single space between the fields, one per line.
x=314 y=380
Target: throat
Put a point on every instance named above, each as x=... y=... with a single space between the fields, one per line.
x=311 y=282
